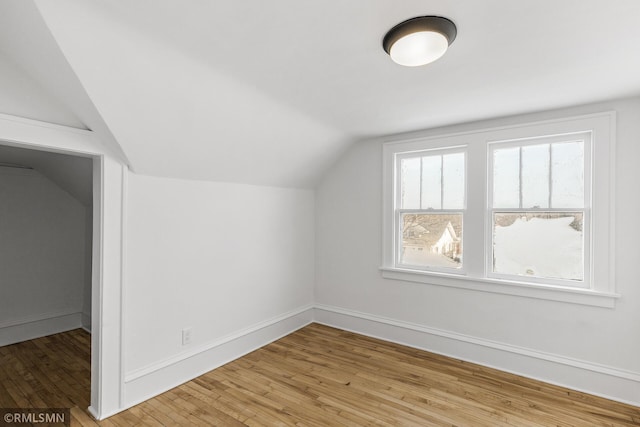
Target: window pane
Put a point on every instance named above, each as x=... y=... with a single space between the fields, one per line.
x=453 y=181
x=506 y=178
x=544 y=245
x=535 y=176
x=431 y=182
x=567 y=175
x=431 y=240
x=410 y=183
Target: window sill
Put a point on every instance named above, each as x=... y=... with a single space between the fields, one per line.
x=546 y=292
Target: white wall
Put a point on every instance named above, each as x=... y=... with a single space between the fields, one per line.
x=489 y=328
x=221 y=259
x=88 y=261
x=42 y=256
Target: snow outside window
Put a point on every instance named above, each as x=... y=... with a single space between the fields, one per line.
x=538 y=215
x=523 y=210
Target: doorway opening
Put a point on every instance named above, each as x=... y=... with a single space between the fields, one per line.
x=46 y=284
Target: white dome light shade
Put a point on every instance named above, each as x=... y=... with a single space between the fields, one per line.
x=419 y=41
x=419 y=48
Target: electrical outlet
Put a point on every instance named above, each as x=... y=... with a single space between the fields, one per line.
x=186 y=336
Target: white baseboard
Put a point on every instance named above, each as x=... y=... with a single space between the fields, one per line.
x=37 y=326
x=599 y=380
x=94 y=413
x=145 y=383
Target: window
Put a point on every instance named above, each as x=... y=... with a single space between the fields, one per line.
x=431 y=209
x=538 y=216
x=524 y=210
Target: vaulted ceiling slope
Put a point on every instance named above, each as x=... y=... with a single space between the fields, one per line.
x=272 y=92
x=23 y=96
x=72 y=174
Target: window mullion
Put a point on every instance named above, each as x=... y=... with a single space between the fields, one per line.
x=476 y=203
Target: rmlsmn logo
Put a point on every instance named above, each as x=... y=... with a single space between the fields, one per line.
x=34 y=416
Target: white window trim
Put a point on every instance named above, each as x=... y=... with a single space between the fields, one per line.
x=601 y=292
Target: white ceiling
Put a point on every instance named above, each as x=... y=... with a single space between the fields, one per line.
x=272 y=92
x=23 y=96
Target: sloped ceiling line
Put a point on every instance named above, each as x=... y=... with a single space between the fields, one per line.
x=41 y=82
x=73 y=174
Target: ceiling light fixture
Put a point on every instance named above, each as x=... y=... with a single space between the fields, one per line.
x=419 y=41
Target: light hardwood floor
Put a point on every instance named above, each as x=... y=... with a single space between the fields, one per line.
x=317 y=376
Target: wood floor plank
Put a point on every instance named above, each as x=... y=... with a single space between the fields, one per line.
x=157 y=415
x=316 y=377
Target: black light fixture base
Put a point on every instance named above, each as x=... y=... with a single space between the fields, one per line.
x=438 y=24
